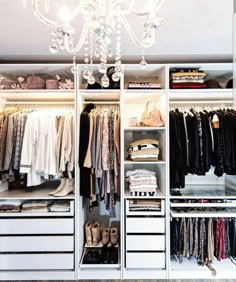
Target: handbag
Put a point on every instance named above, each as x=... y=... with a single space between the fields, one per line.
x=151 y=118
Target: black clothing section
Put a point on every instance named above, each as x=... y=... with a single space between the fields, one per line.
x=199 y=140
x=83 y=145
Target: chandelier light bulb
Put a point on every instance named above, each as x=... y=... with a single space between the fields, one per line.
x=143 y=62
x=115 y=77
x=86 y=74
x=105 y=81
x=53 y=48
x=91 y=79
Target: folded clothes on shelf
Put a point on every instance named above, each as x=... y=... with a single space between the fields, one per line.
x=187 y=78
x=142 y=182
x=35 y=206
x=10 y=206
x=144 y=150
x=144 y=85
x=60 y=207
x=144 y=205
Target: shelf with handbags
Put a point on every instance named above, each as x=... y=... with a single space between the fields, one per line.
x=146 y=112
x=36 y=82
x=138 y=79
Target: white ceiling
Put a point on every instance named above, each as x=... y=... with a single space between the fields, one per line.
x=192 y=30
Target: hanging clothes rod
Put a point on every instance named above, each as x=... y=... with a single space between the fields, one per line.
x=203 y=214
x=102 y=103
x=35 y=103
x=202 y=102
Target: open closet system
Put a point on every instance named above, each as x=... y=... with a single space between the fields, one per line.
x=54 y=244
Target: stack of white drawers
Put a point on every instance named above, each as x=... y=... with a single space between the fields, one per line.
x=145 y=239
x=37 y=243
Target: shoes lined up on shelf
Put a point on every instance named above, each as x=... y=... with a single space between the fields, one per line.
x=106 y=255
x=106 y=240
x=94 y=236
x=66 y=187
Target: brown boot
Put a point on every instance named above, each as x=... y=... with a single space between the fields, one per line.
x=96 y=233
x=114 y=235
x=105 y=236
x=88 y=233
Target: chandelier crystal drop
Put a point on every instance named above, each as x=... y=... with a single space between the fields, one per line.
x=101 y=34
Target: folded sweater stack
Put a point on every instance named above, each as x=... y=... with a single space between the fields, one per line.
x=142 y=182
x=144 y=205
x=35 y=206
x=184 y=78
x=144 y=150
x=10 y=206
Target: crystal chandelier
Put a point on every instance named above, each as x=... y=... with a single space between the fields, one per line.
x=100 y=36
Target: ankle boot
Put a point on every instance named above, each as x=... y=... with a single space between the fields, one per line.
x=105 y=236
x=59 y=188
x=114 y=235
x=88 y=233
x=96 y=233
x=67 y=189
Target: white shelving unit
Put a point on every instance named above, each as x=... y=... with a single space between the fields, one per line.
x=203 y=187
x=37 y=245
x=142 y=228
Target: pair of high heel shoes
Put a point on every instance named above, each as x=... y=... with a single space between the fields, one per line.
x=66 y=187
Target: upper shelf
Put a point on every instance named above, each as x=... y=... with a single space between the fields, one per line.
x=100 y=95
x=189 y=95
x=38 y=95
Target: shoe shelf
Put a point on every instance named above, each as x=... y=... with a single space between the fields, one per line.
x=100 y=245
x=39 y=192
x=99 y=265
x=201 y=191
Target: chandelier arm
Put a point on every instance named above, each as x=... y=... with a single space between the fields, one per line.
x=132 y=35
x=153 y=8
x=80 y=42
x=49 y=22
x=119 y=2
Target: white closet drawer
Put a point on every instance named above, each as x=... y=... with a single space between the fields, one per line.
x=37 y=244
x=36 y=261
x=145 y=242
x=145 y=225
x=145 y=260
x=37 y=226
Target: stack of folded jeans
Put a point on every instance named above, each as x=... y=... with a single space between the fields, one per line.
x=142 y=182
x=143 y=150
